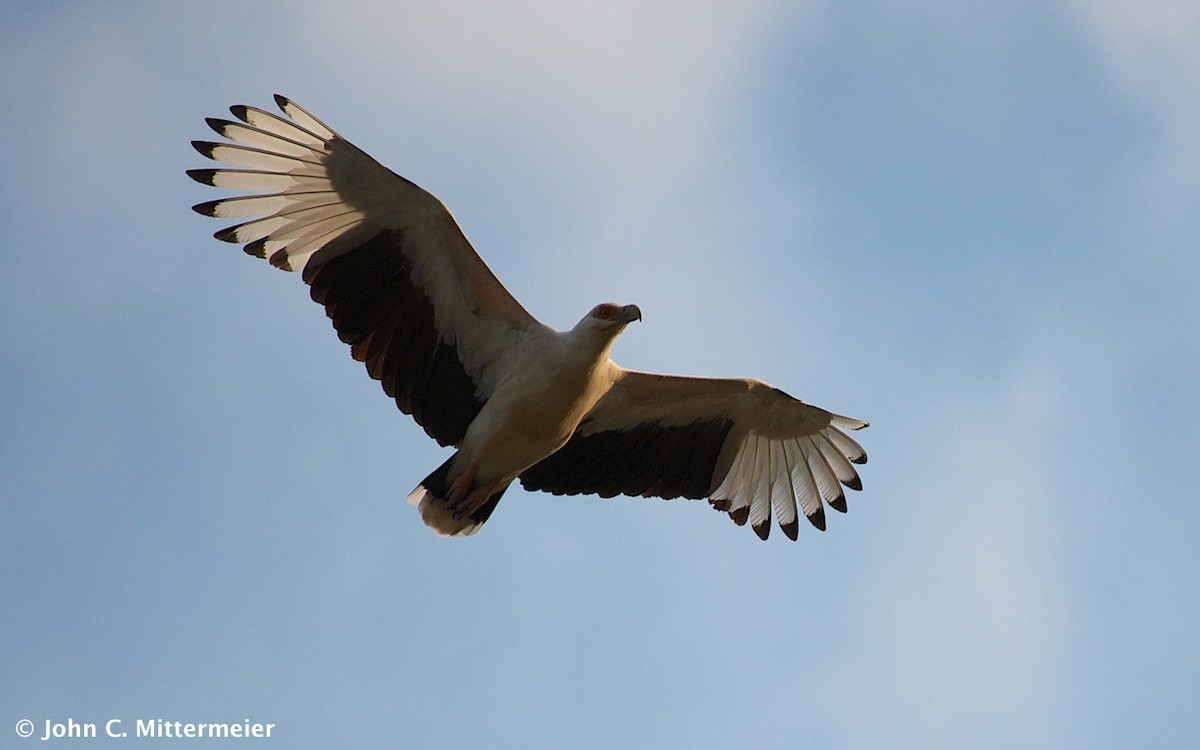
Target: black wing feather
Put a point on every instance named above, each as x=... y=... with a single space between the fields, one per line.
x=650 y=459
x=368 y=293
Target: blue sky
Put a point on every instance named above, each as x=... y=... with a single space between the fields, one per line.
x=973 y=225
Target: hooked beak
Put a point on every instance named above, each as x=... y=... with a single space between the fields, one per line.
x=630 y=313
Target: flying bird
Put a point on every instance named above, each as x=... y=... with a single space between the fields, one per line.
x=519 y=400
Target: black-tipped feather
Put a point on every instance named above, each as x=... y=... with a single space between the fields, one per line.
x=217 y=124
x=817 y=518
x=791 y=529
x=206 y=149
x=279 y=259
x=209 y=149
x=203 y=176
x=208 y=208
x=257 y=248
x=229 y=234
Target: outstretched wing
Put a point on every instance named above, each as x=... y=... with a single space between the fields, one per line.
x=746 y=446
x=395 y=273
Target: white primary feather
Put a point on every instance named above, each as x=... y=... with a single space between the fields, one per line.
x=783 y=496
x=258 y=180
x=261 y=139
x=760 y=483
x=272 y=123
x=807 y=495
x=255 y=158
x=305 y=120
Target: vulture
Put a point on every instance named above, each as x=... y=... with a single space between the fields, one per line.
x=519 y=400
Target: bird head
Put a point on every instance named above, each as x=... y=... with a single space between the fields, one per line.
x=609 y=319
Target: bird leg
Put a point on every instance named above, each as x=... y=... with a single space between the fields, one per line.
x=460 y=489
x=464 y=496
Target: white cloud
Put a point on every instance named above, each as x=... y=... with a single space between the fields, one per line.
x=1150 y=53
x=1150 y=47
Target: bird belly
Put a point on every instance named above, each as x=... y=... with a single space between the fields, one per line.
x=525 y=421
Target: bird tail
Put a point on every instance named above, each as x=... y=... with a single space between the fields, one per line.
x=430 y=498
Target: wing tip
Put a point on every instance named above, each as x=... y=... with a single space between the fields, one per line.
x=280 y=260
x=203 y=176
x=205 y=148
x=228 y=234
x=207 y=208
x=257 y=248
x=791 y=529
x=817 y=518
x=218 y=124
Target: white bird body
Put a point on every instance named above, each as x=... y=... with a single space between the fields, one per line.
x=563 y=385
x=518 y=399
x=563 y=374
